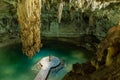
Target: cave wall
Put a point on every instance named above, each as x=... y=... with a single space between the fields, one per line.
x=71 y=26
x=8 y=17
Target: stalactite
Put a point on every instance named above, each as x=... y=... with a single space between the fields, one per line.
x=72 y=11
x=79 y=4
x=70 y=2
x=52 y=1
x=60 y=9
x=43 y=2
x=90 y=4
x=91 y=20
x=48 y=5
x=29 y=12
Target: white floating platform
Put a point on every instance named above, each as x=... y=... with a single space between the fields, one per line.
x=46 y=64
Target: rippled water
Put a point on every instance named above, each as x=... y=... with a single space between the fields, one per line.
x=16 y=66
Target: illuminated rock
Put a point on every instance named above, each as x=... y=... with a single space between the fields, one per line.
x=29 y=12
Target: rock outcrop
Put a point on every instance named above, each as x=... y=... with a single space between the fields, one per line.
x=110 y=46
x=105 y=65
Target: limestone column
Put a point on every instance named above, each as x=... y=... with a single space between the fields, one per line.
x=29 y=12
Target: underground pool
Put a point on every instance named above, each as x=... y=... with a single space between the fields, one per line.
x=14 y=65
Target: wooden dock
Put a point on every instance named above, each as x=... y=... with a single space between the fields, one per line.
x=47 y=64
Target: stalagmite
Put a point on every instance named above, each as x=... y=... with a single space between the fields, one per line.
x=29 y=12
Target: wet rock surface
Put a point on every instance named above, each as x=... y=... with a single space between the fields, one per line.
x=8 y=38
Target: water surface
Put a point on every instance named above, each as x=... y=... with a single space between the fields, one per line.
x=14 y=65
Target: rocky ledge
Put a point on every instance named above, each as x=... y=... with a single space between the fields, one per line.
x=88 y=72
x=8 y=38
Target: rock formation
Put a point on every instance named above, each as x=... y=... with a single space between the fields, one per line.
x=29 y=12
x=105 y=65
x=76 y=17
x=109 y=47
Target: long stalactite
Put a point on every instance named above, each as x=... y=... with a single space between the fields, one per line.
x=29 y=12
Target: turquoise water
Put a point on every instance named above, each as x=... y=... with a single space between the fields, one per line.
x=16 y=66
